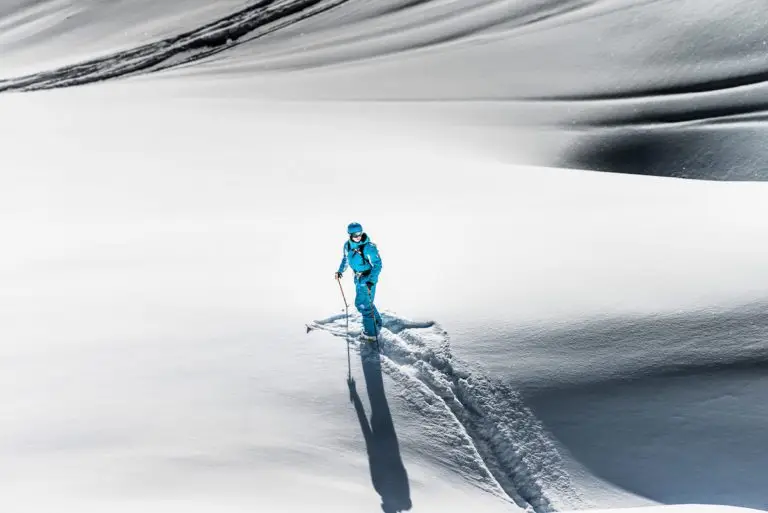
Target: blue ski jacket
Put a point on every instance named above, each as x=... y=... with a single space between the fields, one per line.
x=362 y=257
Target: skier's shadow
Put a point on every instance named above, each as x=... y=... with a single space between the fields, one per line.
x=390 y=480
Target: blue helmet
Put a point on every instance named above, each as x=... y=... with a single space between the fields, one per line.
x=354 y=228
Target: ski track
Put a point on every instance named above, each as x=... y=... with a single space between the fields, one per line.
x=256 y=20
x=267 y=16
x=513 y=456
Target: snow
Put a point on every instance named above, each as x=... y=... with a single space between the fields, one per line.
x=554 y=339
x=39 y=35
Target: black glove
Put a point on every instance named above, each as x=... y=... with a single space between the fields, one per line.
x=337 y=275
x=369 y=284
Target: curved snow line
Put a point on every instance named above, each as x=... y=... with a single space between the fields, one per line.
x=471 y=462
x=759 y=77
x=436 y=23
x=684 y=114
x=183 y=48
x=507 y=438
x=267 y=16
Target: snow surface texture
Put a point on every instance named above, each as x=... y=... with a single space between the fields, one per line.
x=168 y=235
x=500 y=439
x=665 y=87
x=158 y=276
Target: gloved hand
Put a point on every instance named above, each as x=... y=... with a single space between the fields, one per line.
x=369 y=284
x=337 y=275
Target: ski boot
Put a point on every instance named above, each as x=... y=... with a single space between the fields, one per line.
x=364 y=337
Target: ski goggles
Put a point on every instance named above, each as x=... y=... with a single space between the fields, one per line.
x=356 y=235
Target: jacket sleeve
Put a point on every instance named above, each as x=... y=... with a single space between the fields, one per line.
x=343 y=265
x=372 y=254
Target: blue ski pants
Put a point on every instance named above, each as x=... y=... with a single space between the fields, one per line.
x=364 y=304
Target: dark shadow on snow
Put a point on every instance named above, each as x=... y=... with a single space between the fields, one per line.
x=390 y=480
x=735 y=153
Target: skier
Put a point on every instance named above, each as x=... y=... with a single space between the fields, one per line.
x=362 y=256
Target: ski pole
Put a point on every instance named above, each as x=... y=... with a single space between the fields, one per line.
x=346 y=314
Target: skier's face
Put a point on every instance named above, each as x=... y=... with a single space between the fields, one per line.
x=356 y=236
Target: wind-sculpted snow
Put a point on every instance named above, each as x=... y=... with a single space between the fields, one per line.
x=670 y=402
x=500 y=445
x=438 y=25
x=660 y=345
x=255 y=20
x=657 y=87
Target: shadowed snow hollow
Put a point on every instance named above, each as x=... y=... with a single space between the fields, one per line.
x=660 y=87
x=172 y=223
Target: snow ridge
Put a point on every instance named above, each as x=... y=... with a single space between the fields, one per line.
x=254 y=21
x=513 y=455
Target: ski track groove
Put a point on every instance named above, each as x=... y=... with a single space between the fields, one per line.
x=187 y=47
x=511 y=447
x=264 y=17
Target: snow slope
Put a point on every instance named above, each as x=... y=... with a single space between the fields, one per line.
x=555 y=339
x=39 y=34
x=662 y=87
